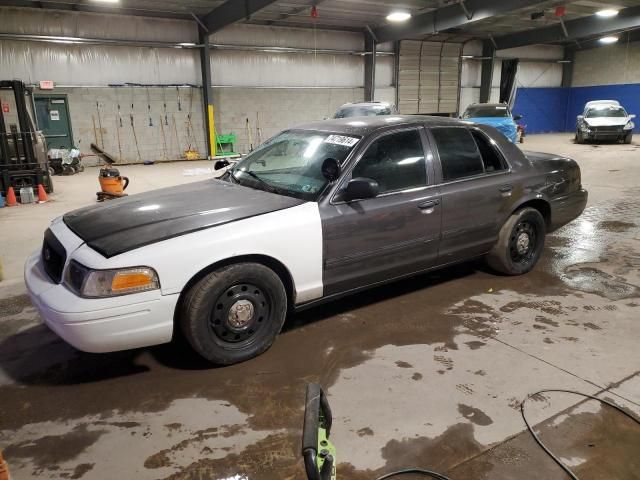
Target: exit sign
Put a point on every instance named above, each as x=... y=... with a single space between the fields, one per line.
x=46 y=84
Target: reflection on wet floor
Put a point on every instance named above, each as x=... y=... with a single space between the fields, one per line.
x=427 y=372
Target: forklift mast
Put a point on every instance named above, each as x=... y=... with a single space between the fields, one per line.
x=23 y=160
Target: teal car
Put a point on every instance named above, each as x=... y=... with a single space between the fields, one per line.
x=496 y=115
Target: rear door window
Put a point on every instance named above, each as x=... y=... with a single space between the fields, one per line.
x=459 y=155
x=491 y=158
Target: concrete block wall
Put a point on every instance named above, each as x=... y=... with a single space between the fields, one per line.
x=151 y=142
x=607 y=65
x=276 y=108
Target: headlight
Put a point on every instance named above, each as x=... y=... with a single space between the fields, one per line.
x=110 y=283
x=629 y=125
x=584 y=127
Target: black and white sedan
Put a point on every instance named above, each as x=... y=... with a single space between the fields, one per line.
x=314 y=213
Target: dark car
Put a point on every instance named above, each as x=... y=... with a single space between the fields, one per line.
x=314 y=213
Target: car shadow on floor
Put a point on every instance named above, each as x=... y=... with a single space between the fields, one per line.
x=36 y=356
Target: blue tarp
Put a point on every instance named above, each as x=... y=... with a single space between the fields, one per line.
x=555 y=109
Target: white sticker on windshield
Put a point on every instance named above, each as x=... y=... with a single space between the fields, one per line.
x=341 y=140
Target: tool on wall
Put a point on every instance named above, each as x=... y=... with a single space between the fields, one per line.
x=258 y=129
x=164 y=140
x=119 y=112
x=164 y=98
x=149 y=107
x=100 y=124
x=131 y=115
x=175 y=131
x=135 y=137
x=179 y=102
x=95 y=130
x=118 y=137
x=249 y=135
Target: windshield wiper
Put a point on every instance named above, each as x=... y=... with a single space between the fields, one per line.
x=269 y=187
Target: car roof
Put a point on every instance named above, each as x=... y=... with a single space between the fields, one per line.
x=365 y=104
x=488 y=105
x=366 y=125
x=602 y=102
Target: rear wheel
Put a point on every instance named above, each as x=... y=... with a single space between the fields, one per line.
x=520 y=243
x=234 y=313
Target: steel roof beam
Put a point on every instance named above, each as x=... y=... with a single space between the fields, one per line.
x=451 y=16
x=232 y=11
x=580 y=28
x=94 y=8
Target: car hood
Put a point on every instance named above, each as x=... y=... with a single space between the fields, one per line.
x=124 y=224
x=607 y=121
x=505 y=125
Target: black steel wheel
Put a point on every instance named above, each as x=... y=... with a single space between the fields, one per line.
x=520 y=243
x=234 y=313
x=239 y=313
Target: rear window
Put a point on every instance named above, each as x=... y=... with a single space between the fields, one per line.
x=459 y=155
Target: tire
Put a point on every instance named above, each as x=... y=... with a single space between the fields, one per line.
x=507 y=256
x=579 y=138
x=234 y=313
x=629 y=138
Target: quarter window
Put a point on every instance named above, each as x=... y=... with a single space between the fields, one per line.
x=395 y=161
x=491 y=158
x=459 y=155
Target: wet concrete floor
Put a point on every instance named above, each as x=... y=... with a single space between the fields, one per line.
x=428 y=372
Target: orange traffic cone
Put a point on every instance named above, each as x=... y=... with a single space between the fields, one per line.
x=11 y=198
x=4 y=469
x=42 y=195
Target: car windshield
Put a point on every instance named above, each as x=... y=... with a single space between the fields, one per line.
x=363 y=111
x=602 y=112
x=486 y=111
x=291 y=162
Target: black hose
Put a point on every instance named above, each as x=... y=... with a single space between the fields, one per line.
x=414 y=471
x=543 y=446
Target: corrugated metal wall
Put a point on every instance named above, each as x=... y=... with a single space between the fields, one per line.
x=429 y=77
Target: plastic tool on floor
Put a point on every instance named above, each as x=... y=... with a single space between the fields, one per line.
x=317 y=450
x=112 y=184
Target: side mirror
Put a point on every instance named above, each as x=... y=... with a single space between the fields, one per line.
x=580 y=117
x=361 y=188
x=221 y=164
x=517 y=117
x=633 y=115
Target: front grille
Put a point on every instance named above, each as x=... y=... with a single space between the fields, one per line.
x=53 y=256
x=608 y=129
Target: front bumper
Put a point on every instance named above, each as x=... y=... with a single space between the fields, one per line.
x=567 y=208
x=100 y=325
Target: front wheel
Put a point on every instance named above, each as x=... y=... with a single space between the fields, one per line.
x=579 y=138
x=520 y=243
x=234 y=313
x=628 y=138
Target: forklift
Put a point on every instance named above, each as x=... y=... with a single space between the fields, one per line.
x=23 y=150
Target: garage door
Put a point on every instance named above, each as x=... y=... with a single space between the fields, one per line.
x=428 y=80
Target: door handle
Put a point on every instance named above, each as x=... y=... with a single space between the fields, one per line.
x=506 y=188
x=429 y=204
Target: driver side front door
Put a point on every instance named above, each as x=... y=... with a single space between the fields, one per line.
x=397 y=232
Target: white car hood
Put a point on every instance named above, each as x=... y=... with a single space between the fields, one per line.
x=606 y=121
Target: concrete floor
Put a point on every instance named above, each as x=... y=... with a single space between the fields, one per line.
x=428 y=372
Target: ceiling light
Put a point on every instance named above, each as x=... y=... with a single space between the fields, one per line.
x=398 y=16
x=607 y=12
x=107 y=1
x=467 y=56
x=187 y=44
x=608 y=40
